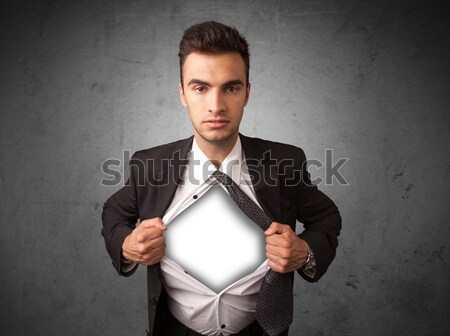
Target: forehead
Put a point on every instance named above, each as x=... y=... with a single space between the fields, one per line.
x=213 y=68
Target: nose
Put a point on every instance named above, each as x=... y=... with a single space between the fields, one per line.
x=216 y=103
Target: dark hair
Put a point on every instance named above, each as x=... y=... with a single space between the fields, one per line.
x=213 y=38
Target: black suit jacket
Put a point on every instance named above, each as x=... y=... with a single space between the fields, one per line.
x=281 y=183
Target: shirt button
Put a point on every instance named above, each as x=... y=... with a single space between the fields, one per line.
x=223 y=326
x=195 y=197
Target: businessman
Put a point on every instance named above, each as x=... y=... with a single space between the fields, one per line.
x=214 y=87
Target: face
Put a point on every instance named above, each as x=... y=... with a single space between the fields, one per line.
x=215 y=94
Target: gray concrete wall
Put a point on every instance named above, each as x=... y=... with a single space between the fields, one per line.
x=83 y=81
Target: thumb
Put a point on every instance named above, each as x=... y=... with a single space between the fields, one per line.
x=154 y=223
x=276 y=228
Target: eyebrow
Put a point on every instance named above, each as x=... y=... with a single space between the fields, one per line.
x=231 y=82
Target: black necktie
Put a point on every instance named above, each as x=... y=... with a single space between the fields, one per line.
x=274 y=305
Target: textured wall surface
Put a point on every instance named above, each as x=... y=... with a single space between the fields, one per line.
x=84 y=81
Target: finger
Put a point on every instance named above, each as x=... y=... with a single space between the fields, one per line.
x=286 y=260
x=146 y=235
x=155 y=256
x=277 y=251
x=279 y=240
x=154 y=233
x=274 y=260
x=153 y=223
x=148 y=252
x=276 y=227
x=158 y=243
x=273 y=228
x=274 y=266
x=147 y=245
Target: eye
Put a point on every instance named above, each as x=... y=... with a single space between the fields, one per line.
x=232 y=89
x=199 y=89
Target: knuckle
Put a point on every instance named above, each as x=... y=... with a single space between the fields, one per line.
x=286 y=243
x=151 y=262
x=140 y=238
x=283 y=263
x=141 y=249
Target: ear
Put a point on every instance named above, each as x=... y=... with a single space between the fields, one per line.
x=247 y=93
x=182 y=96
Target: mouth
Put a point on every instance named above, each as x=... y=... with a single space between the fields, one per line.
x=219 y=123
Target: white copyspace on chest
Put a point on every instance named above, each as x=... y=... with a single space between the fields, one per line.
x=214 y=241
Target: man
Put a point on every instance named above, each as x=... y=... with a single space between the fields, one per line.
x=215 y=88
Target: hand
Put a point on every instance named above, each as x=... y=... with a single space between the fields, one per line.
x=146 y=244
x=284 y=249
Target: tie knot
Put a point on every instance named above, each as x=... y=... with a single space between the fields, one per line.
x=222 y=178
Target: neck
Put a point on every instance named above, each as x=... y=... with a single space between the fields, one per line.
x=216 y=152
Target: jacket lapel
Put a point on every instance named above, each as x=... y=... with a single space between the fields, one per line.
x=172 y=169
x=264 y=173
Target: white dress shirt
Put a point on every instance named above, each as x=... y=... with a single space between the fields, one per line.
x=190 y=301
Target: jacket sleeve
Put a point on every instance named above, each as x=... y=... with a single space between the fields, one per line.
x=119 y=217
x=321 y=220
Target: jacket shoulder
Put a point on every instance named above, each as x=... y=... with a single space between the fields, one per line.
x=277 y=149
x=164 y=150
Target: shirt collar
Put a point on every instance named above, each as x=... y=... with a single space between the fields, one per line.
x=201 y=168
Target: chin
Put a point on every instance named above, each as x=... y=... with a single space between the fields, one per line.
x=217 y=138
